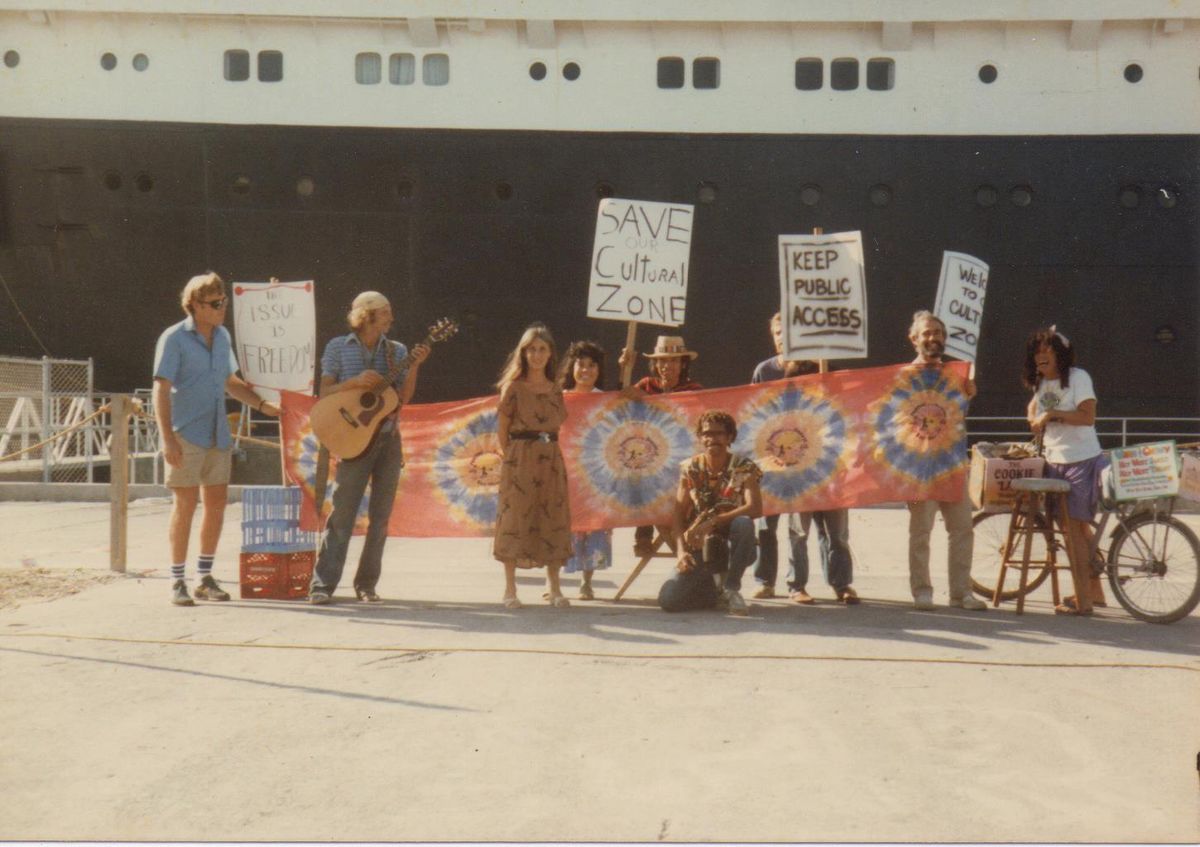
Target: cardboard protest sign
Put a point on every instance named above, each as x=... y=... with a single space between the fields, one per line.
x=1145 y=470
x=640 y=261
x=823 y=296
x=961 y=290
x=275 y=324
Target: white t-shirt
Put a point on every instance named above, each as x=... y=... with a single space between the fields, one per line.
x=1066 y=443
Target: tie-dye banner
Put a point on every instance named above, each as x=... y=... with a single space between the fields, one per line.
x=825 y=441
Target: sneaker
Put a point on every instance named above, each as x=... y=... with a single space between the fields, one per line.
x=765 y=592
x=210 y=589
x=179 y=594
x=319 y=598
x=737 y=606
x=923 y=601
x=970 y=602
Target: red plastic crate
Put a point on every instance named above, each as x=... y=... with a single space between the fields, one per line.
x=276 y=576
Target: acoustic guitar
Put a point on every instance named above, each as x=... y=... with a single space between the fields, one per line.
x=347 y=422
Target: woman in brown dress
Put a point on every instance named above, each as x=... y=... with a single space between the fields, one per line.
x=533 y=519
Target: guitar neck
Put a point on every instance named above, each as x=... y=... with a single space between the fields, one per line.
x=398 y=367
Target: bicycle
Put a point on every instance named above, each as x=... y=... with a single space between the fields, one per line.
x=1151 y=558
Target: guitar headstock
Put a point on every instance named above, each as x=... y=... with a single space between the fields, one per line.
x=443 y=329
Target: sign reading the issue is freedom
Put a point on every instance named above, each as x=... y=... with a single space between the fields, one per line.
x=276 y=328
x=961 y=290
x=823 y=291
x=640 y=261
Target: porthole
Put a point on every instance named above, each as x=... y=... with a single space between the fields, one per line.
x=706 y=192
x=108 y=61
x=571 y=71
x=881 y=195
x=1133 y=72
x=988 y=74
x=1130 y=196
x=11 y=58
x=241 y=185
x=810 y=195
x=404 y=189
x=112 y=181
x=1167 y=197
x=144 y=183
x=1021 y=195
x=1165 y=335
x=986 y=195
x=504 y=191
x=604 y=189
x=140 y=62
x=305 y=186
x=537 y=71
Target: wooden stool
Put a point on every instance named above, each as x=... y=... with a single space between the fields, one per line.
x=1029 y=509
x=663 y=536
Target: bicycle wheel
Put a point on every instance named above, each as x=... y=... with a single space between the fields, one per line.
x=991 y=531
x=1154 y=567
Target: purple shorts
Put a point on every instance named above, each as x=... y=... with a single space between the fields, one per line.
x=1085 y=484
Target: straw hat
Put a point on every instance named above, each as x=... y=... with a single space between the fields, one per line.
x=670 y=347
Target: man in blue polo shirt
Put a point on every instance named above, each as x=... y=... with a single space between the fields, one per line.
x=194 y=368
x=364 y=360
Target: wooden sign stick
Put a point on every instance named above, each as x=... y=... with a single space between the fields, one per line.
x=822 y=364
x=630 y=341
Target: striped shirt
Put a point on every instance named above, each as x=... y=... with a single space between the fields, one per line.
x=345 y=358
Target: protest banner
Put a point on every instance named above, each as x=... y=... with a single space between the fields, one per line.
x=275 y=324
x=640 y=262
x=823 y=296
x=961 y=290
x=1145 y=470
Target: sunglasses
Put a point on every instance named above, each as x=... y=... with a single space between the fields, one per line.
x=216 y=304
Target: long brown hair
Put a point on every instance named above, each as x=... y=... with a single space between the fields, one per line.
x=1064 y=357
x=515 y=367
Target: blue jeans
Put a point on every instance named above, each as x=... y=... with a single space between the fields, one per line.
x=697 y=589
x=833 y=533
x=381 y=466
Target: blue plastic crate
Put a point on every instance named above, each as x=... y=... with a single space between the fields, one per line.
x=271 y=521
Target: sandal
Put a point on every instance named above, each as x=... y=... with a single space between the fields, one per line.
x=1069 y=601
x=802 y=597
x=559 y=602
x=848 y=596
x=585 y=593
x=1065 y=609
x=511 y=602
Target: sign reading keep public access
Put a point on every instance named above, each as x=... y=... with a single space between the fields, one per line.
x=640 y=261
x=961 y=290
x=823 y=296
x=275 y=324
x=1145 y=470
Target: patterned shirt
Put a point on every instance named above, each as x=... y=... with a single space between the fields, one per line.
x=724 y=490
x=651 y=385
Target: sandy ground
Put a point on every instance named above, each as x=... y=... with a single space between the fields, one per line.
x=440 y=715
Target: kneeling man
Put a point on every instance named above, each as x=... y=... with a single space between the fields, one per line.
x=713 y=525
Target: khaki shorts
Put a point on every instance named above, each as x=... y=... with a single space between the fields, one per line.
x=200 y=466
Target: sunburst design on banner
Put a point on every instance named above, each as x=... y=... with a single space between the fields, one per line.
x=918 y=428
x=304 y=459
x=630 y=452
x=797 y=434
x=466 y=469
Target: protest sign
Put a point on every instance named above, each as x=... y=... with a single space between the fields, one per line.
x=959 y=304
x=823 y=296
x=640 y=261
x=276 y=328
x=1145 y=470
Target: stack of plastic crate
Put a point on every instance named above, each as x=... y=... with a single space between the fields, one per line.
x=277 y=556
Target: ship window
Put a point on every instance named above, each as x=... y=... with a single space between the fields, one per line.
x=108 y=61
x=368 y=68
x=504 y=191
x=237 y=65
x=305 y=186
x=144 y=183
x=570 y=71
x=241 y=185
x=1133 y=72
x=140 y=62
x=810 y=74
x=810 y=195
x=986 y=195
x=112 y=180
x=881 y=195
x=706 y=192
x=1167 y=197
x=537 y=71
x=402 y=69
x=1130 y=196
x=11 y=58
x=270 y=66
x=1021 y=195
x=881 y=74
x=706 y=73
x=843 y=74
x=670 y=72
x=988 y=74
x=435 y=69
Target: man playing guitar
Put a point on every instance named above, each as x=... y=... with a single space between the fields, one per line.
x=355 y=362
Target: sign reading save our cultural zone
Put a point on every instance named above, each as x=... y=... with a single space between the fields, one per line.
x=640 y=261
x=823 y=296
x=275 y=324
x=961 y=291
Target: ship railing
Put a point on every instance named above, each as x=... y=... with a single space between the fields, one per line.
x=1113 y=431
